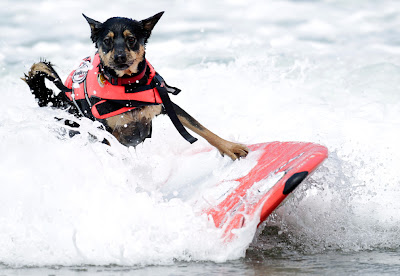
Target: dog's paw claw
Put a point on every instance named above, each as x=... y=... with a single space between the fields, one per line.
x=234 y=150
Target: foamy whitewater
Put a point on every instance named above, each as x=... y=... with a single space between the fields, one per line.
x=252 y=71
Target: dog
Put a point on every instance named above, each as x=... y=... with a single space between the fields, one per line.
x=120 y=88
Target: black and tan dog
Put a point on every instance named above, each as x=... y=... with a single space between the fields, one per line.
x=141 y=94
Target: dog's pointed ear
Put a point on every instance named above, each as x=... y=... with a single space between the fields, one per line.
x=95 y=26
x=149 y=23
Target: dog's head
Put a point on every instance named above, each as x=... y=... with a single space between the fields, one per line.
x=121 y=41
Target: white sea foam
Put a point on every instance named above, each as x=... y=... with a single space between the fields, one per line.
x=320 y=71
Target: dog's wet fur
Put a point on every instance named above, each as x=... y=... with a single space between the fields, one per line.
x=121 y=46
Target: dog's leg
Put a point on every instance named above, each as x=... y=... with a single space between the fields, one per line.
x=233 y=150
x=36 y=81
x=45 y=96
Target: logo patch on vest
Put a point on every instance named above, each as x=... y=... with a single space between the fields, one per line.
x=81 y=73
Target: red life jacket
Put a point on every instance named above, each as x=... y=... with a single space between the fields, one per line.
x=97 y=95
x=102 y=97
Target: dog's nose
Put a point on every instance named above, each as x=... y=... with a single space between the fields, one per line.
x=120 y=58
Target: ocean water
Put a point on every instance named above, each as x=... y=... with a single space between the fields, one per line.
x=323 y=71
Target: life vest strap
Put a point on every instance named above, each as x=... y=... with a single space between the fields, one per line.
x=105 y=107
x=169 y=108
x=139 y=89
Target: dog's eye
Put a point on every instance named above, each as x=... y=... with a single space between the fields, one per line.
x=107 y=41
x=131 y=41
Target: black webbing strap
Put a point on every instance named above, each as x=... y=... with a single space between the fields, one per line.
x=169 y=108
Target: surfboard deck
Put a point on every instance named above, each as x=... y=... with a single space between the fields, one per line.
x=281 y=167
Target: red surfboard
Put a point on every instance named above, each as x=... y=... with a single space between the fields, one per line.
x=281 y=167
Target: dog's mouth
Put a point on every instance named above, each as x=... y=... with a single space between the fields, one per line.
x=120 y=67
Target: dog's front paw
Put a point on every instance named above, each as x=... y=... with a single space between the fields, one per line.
x=233 y=150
